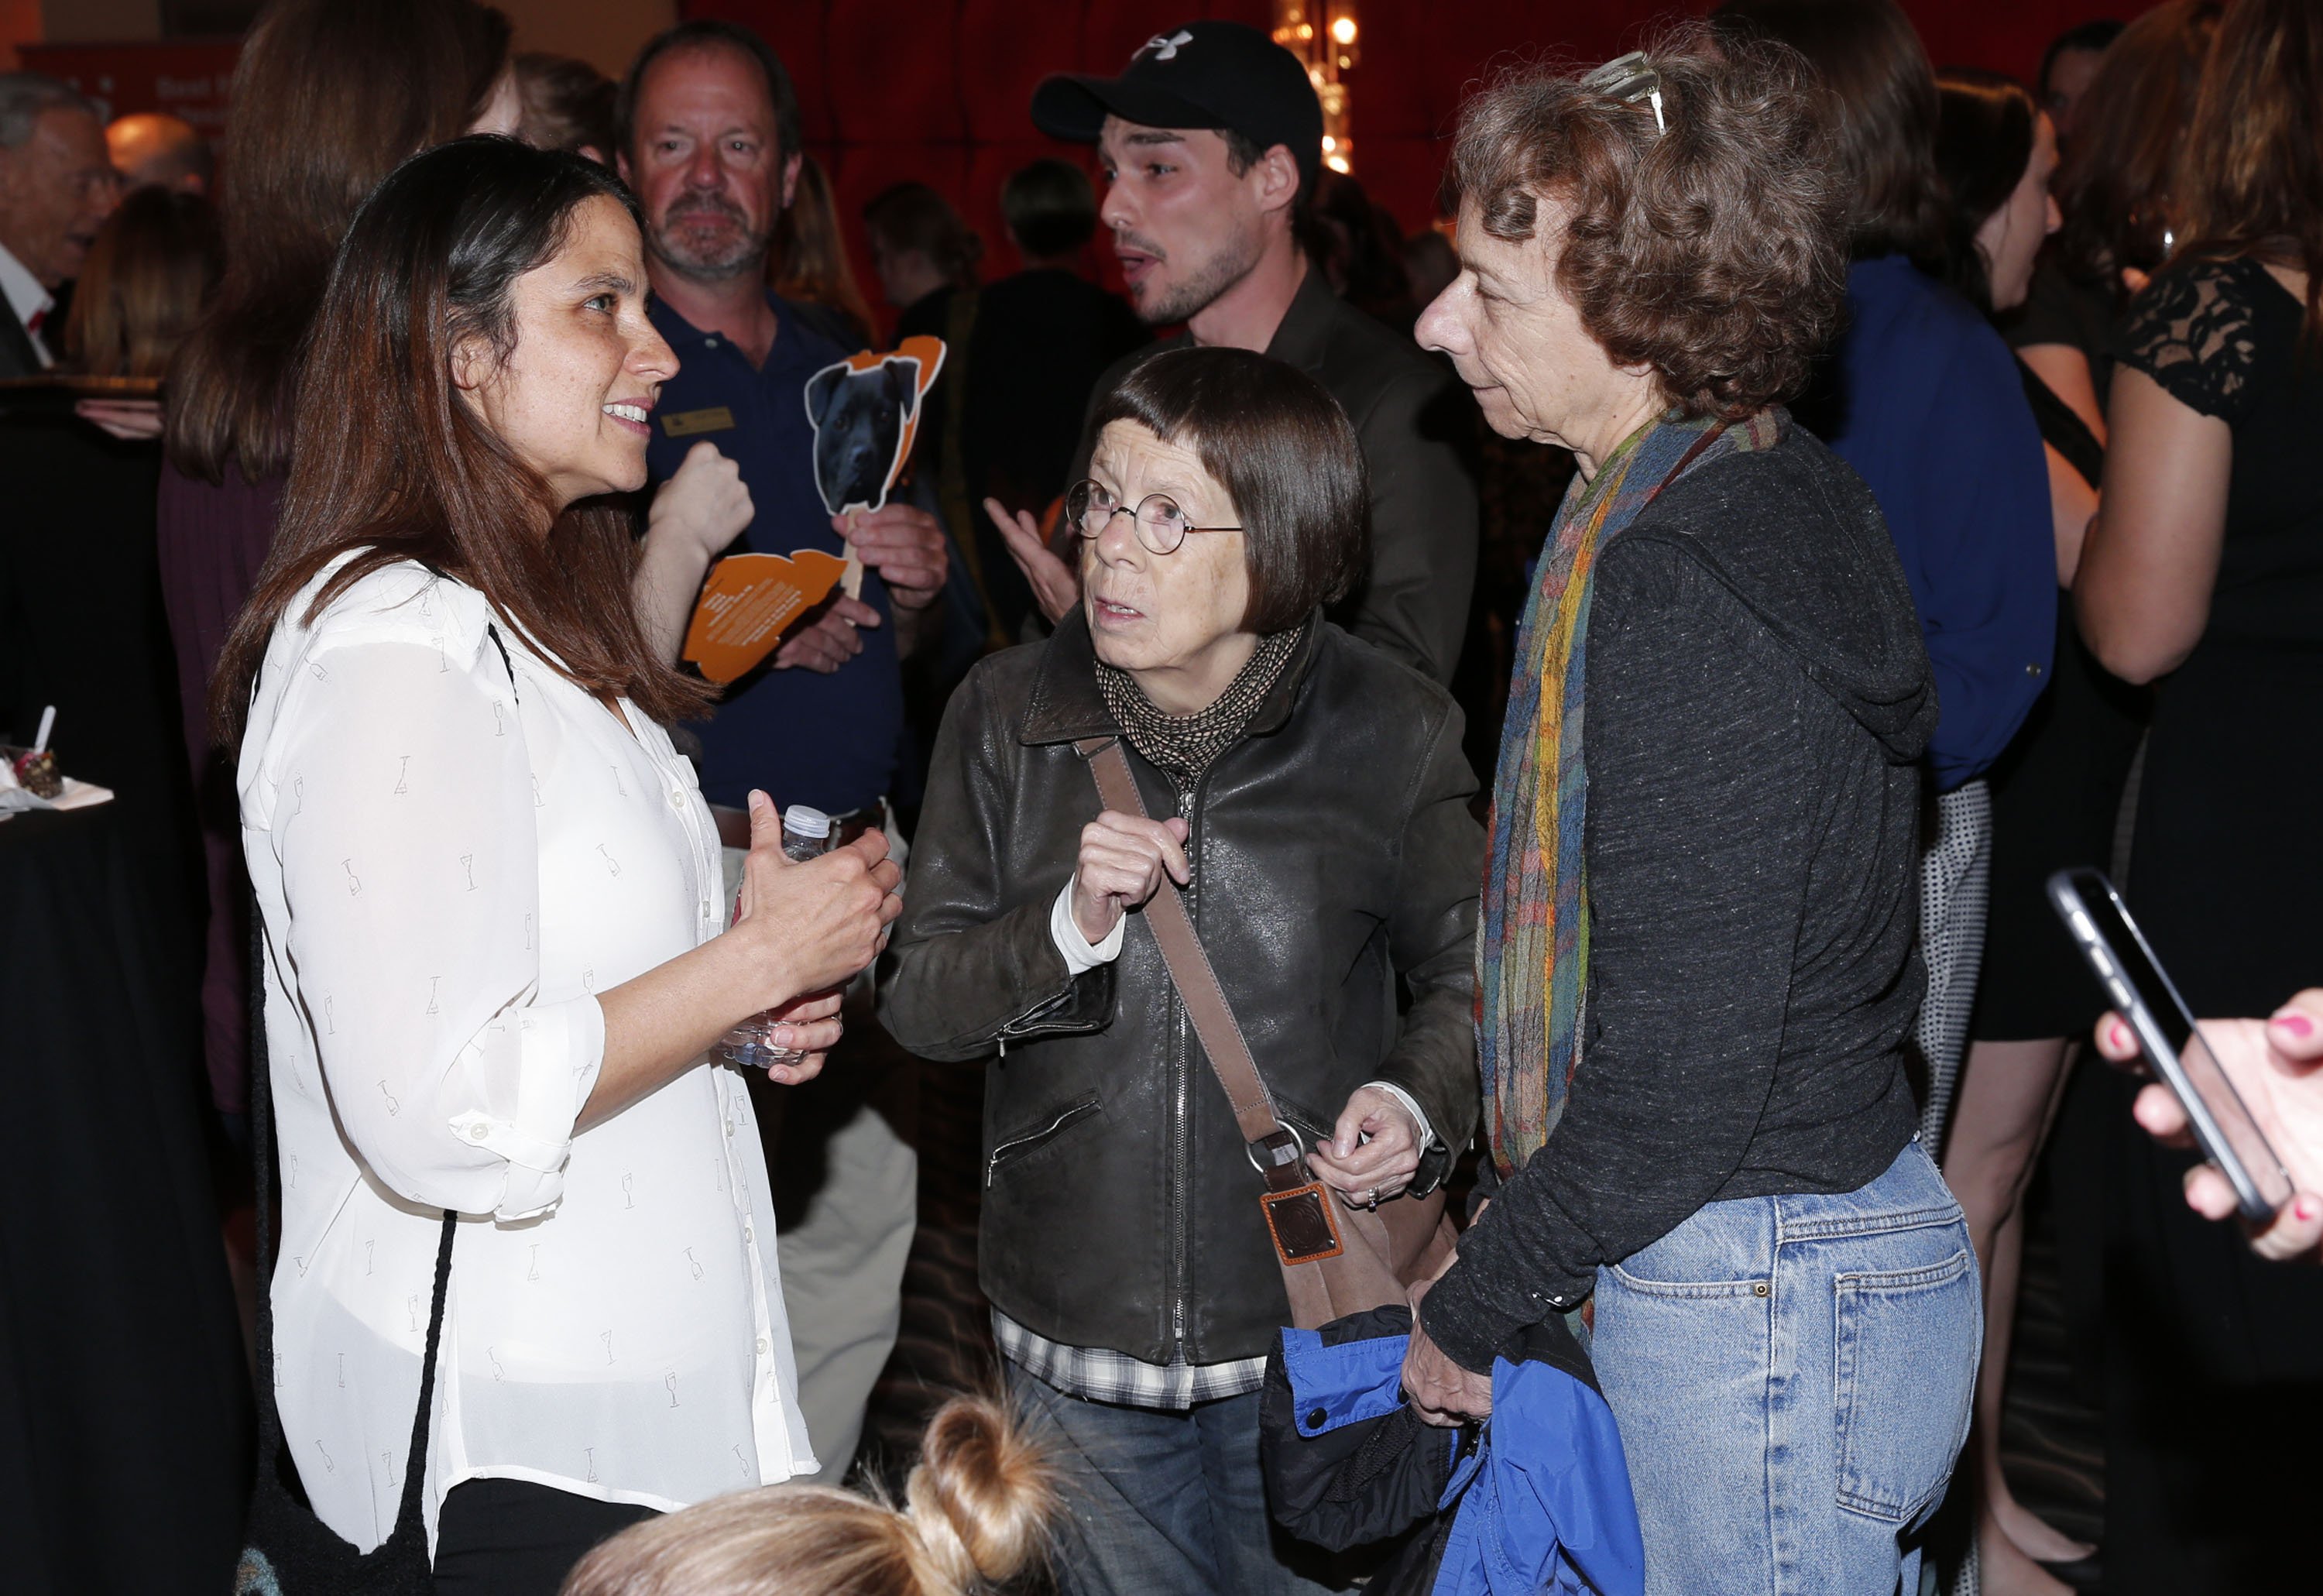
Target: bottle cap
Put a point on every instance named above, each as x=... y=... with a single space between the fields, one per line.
x=806 y=821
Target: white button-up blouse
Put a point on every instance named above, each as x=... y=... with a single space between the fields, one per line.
x=453 y=854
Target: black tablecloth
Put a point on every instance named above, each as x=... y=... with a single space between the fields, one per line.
x=81 y=627
x=124 y=1389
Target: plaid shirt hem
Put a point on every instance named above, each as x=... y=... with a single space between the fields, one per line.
x=1103 y=1375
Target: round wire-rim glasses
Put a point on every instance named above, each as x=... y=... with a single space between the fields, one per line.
x=1161 y=526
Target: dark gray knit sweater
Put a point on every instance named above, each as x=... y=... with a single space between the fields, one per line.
x=1758 y=698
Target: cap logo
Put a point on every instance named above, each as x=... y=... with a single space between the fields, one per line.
x=1165 y=47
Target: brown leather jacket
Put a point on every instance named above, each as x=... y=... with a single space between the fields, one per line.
x=1332 y=852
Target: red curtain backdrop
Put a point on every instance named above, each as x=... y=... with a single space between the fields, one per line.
x=939 y=89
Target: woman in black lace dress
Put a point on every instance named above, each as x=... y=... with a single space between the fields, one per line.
x=2204 y=574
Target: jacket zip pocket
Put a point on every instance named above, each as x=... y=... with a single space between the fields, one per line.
x=1017 y=1147
x=1030 y=1020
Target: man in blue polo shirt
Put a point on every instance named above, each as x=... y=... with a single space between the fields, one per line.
x=710 y=141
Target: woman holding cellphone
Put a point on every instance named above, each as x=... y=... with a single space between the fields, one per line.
x=2203 y=574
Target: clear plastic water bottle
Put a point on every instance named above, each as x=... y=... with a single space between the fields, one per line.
x=806 y=835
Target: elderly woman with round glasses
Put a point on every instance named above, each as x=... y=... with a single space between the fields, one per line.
x=1312 y=806
x=1698 y=968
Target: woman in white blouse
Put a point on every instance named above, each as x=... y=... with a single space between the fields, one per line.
x=492 y=903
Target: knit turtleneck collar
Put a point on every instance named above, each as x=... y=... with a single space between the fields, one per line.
x=1185 y=745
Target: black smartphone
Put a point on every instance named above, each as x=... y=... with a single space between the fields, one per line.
x=2122 y=961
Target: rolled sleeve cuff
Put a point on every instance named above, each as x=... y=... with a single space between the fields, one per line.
x=561 y=1047
x=1427 y=1137
x=1081 y=955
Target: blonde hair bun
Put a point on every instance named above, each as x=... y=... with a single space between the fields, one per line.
x=981 y=1497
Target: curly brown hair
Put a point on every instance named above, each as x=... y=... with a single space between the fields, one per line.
x=1715 y=252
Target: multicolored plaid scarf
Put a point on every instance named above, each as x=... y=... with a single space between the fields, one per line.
x=1532 y=950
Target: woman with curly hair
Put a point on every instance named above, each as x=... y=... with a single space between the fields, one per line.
x=1697 y=974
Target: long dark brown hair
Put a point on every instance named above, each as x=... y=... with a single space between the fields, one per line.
x=809 y=260
x=390 y=463
x=148 y=274
x=1869 y=60
x=327 y=96
x=2249 y=173
x=2114 y=184
x=1984 y=144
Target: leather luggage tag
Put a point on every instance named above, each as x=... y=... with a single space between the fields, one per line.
x=1300 y=1221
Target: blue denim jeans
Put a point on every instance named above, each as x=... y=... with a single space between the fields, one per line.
x=1793 y=1377
x=1162 y=1504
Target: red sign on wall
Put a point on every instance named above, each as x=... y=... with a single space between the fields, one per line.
x=189 y=80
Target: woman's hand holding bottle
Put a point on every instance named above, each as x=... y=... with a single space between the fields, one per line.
x=808 y=929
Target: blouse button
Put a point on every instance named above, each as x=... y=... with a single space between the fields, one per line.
x=676 y=799
x=748 y=1235
x=763 y=1345
x=479 y=1132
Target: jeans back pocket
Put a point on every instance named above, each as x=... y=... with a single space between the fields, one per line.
x=1905 y=1348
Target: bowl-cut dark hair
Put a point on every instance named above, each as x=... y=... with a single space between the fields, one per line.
x=1714 y=252
x=1286 y=454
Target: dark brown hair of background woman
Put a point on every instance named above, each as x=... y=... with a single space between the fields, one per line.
x=329 y=96
x=907 y=216
x=1869 y=60
x=568 y=104
x=142 y=287
x=2115 y=186
x=2250 y=170
x=809 y=260
x=390 y=462
x=1984 y=142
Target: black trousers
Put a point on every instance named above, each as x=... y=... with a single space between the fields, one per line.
x=511 y=1537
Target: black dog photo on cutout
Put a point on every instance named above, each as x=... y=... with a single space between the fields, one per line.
x=861 y=417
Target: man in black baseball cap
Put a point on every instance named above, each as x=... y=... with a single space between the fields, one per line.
x=1220 y=75
x=1211 y=141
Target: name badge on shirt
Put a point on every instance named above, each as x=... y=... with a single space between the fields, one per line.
x=687 y=424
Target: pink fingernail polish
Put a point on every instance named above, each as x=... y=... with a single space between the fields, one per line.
x=2296 y=1024
x=2304 y=1208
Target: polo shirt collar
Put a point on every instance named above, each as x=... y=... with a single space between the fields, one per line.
x=785 y=323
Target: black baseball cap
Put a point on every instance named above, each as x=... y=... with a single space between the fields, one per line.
x=1223 y=76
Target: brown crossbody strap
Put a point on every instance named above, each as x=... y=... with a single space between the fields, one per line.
x=1322 y=1278
x=1189 y=964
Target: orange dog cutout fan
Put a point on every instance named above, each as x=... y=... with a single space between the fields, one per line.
x=865 y=411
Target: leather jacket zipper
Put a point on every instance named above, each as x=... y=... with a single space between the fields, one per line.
x=1180 y=1128
x=1016 y=1145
